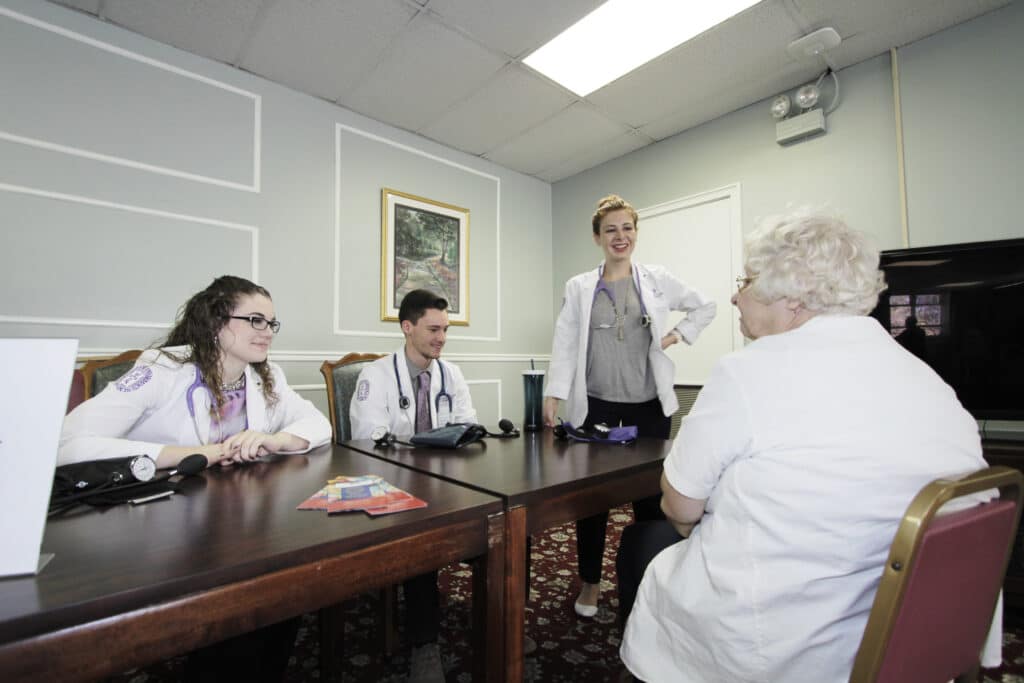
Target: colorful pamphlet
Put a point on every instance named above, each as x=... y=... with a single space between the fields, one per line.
x=368 y=493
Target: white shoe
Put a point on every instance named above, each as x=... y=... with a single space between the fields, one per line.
x=585 y=610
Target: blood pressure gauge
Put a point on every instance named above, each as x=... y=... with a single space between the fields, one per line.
x=143 y=468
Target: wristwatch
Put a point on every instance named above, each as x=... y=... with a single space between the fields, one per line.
x=143 y=468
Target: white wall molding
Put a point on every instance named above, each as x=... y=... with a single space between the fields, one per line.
x=452 y=333
x=253 y=186
x=323 y=388
x=90 y=322
x=293 y=356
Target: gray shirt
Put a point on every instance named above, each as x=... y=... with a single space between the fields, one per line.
x=617 y=362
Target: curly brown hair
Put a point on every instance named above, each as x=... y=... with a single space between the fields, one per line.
x=605 y=205
x=198 y=324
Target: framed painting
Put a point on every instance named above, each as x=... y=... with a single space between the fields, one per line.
x=424 y=245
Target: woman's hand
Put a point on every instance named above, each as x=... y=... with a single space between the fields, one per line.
x=550 y=410
x=671 y=338
x=249 y=445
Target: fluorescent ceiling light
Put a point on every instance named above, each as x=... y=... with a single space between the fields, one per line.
x=620 y=35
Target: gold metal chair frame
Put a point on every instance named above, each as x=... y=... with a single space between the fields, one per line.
x=904 y=550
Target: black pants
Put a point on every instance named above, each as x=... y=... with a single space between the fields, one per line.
x=649 y=421
x=260 y=655
x=639 y=544
x=422 y=609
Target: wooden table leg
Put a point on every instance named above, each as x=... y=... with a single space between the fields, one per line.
x=488 y=599
x=515 y=592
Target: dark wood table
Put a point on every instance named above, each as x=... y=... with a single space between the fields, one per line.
x=132 y=585
x=543 y=482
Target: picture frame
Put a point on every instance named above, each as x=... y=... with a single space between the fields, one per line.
x=424 y=245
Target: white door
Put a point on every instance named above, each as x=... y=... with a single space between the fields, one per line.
x=698 y=239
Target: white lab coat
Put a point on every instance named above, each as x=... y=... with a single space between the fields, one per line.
x=807 y=446
x=375 y=400
x=662 y=293
x=147 y=409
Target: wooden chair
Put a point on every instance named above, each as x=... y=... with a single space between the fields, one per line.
x=940 y=584
x=341 y=377
x=98 y=373
x=77 y=393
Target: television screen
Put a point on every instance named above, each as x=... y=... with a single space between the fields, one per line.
x=960 y=308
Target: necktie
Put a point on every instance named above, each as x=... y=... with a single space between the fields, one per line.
x=423 y=402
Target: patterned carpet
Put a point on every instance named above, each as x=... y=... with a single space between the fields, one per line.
x=569 y=649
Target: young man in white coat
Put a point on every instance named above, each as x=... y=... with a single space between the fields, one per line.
x=411 y=391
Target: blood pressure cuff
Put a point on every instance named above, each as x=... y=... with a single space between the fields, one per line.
x=80 y=477
x=449 y=436
x=617 y=435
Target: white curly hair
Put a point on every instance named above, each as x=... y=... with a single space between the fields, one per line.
x=816 y=259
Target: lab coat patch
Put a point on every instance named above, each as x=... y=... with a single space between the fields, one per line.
x=363 y=390
x=134 y=379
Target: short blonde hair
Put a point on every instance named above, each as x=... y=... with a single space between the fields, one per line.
x=606 y=205
x=815 y=259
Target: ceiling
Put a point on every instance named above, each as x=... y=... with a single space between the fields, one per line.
x=451 y=70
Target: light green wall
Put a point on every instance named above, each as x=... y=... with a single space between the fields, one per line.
x=961 y=93
x=106 y=251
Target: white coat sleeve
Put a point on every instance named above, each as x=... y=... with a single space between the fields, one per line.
x=716 y=432
x=297 y=416
x=699 y=310
x=565 y=347
x=370 y=406
x=95 y=429
x=463 y=410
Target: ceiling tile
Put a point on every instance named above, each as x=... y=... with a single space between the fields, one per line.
x=90 y=6
x=427 y=69
x=507 y=105
x=560 y=138
x=596 y=155
x=515 y=28
x=324 y=47
x=209 y=28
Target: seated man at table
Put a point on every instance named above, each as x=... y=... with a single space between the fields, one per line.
x=407 y=392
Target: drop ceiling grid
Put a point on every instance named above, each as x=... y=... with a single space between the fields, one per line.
x=324 y=49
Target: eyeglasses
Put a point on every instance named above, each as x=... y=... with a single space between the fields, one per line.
x=743 y=282
x=258 y=322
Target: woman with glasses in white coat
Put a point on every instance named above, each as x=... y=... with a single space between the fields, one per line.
x=608 y=359
x=207 y=389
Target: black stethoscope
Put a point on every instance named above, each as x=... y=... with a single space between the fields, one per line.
x=403 y=400
x=602 y=286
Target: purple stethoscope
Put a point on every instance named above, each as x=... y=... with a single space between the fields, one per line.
x=602 y=286
x=198 y=383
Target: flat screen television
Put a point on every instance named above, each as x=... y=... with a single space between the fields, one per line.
x=960 y=307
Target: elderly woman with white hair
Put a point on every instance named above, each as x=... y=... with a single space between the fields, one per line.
x=789 y=476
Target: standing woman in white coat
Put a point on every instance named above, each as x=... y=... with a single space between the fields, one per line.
x=608 y=359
